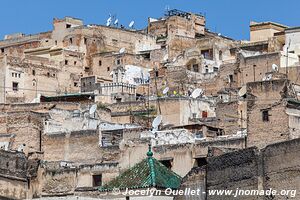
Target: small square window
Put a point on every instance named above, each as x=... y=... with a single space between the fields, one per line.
x=15 y=86
x=265 y=115
x=66 y=62
x=68 y=25
x=75 y=62
x=2 y=50
x=97 y=180
x=118 y=62
x=108 y=69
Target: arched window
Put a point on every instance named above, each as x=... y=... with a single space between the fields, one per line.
x=220 y=55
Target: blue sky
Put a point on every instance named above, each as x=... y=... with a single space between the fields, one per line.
x=229 y=17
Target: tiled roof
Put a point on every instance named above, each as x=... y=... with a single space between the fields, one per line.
x=148 y=173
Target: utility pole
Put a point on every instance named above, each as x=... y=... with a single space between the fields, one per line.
x=287 y=59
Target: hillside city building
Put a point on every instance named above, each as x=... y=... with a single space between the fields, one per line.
x=90 y=110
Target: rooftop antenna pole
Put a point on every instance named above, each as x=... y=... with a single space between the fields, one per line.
x=149 y=100
x=287 y=59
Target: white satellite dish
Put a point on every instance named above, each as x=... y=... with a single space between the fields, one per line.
x=174 y=59
x=156 y=121
x=116 y=22
x=166 y=90
x=93 y=109
x=242 y=91
x=275 y=68
x=108 y=22
x=196 y=93
x=122 y=50
x=269 y=77
x=131 y=24
x=165 y=58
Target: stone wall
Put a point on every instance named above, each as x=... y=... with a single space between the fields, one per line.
x=277 y=167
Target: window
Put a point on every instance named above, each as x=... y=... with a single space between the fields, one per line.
x=199 y=162
x=33 y=72
x=265 y=115
x=75 y=84
x=71 y=40
x=75 y=62
x=207 y=54
x=15 y=86
x=66 y=62
x=55 y=42
x=48 y=74
x=196 y=68
x=156 y=73
x=167 y=163
x=108 y=69
x=84 y=40
x=118 y=62
x=12 y=74
x=230 y=78
x=206 y=69
x=68 y=25
x=199 y=135
x=19 y=75
x=100 y=62
x=204 y=114
x=2 y=50
x=97 y=180
x=220 y=55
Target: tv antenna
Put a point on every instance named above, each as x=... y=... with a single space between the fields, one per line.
x=131 y=24
x=116 y=22
x=93 y=109
x=166 y=90
x=242 y=91
x=196 y=93
x=275 y=68
x=122 y=50
x=108 y=21
x=156 y=122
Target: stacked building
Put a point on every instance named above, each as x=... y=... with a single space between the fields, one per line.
x=81 y=104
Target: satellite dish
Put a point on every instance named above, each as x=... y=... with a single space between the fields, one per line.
x=242 y=91
x=108 y=22
x=116 y=22
x=174 y=59
x=93 y=109
x=165 y=58
x=196 y=93
x=122 y=50
x=131 y=24
x=156 y=121
x=166 y=90
x=274 y=68
x=269 y=77
x=229 y=79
